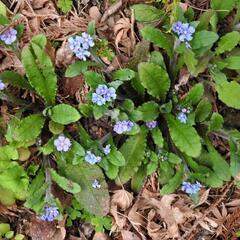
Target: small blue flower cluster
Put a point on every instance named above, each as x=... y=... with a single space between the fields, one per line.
x=51 y=213
x=92 y=158
x=9 y=36
x=2 y=85
x=191 y=188
x=151 y=124
x=182 y=116
x=96 y=184
x=107 y=149
x=80 y=45
x=184 y=32
x=123 y=126
x=103 y=94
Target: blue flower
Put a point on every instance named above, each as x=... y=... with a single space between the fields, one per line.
x=182 y=117
x=80 y=45
x=51 y=213
x=186 y=32
x=101 y=89
x=177 y=27
x=92 y=158
x=191 y=188
x=98 y=99
x=110 y=94
x=107 y=149
x=62 y=143
x=151 y=124
x=2 y=85
x=87 y=41
x=123 y=126
x=83 y=54
x=103 y=94
x=9 y=36
x=96 y=184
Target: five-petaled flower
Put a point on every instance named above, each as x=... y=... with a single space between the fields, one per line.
x=62 y=143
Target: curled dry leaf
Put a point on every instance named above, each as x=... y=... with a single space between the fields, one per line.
x=122 y=199
x=124 y=35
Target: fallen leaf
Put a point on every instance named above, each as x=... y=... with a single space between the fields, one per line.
x=127 y=235
x=122 y=199
x=95 y=14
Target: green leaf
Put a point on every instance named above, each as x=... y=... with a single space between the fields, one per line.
x=166 y=172
x=55 y=128
x=195 y=94
x=15 y=79
x=64 y=114
x=232 y=63
x=15 y=180
x=157 y=58
x=4 y=228
x=219 y=164
x=93 y=200
x=216 y=122
x=65 y=5
x=184 y=137
x=203 y=110
x=157 y=137
x=93 y=79
x=146 y=13
x=3 y=20
x=154 y=78
x=228 y=42
x=34 y=123
x=234 y=158
x=78 y=67
x=98 y=111
x=91 y=28
x=203 y=39
x=123 y=74
x=190 y=60
x=173 y=183
x=159 y=38
x=3 y=9
x=150 y=111
x=36 y=193
x=133 y=152
x=112 y=171
x=64 y=183
x=222 y=7
x=7 y=153
x=115 y=157
x=228 y=92
x=39 y=69
x=138 y=178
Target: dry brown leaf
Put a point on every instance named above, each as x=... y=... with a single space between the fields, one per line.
x=124 y=35
x=234 y=203
x=73 y=85
x=100 y=236
x=64 y=56
x=95 y=14
x=127 y=235
x=122 y=199
x=203 y=197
